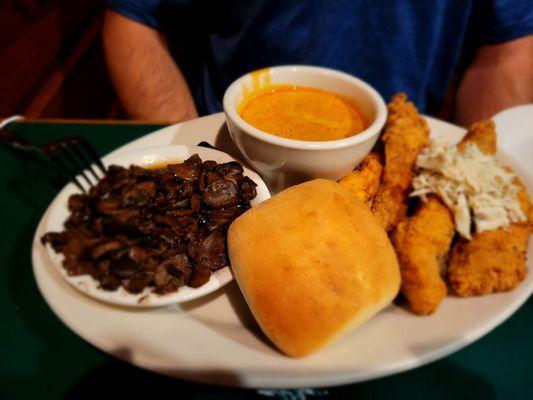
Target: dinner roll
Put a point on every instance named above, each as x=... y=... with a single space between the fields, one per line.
x=312 y=262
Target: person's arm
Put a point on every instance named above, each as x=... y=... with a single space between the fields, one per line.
x=501 y=76
x=148 y=82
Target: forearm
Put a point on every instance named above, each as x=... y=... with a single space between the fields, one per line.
x=501 y=76
x=148 y=82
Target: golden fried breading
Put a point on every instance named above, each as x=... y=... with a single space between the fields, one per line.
x=406 y=133
x=483 y=134
x=422 y=243
x=364 y=180
x=493 y=261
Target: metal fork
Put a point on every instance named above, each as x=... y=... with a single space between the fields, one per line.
x=74 y=157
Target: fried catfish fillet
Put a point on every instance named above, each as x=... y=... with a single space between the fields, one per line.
x=422 y=243
x=483 y=135
x=365 y=179
x=406 y=134
x=493 y=261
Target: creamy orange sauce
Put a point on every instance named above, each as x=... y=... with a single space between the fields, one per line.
x=298 y=112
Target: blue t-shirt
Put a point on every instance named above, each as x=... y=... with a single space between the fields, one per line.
x=396 y=45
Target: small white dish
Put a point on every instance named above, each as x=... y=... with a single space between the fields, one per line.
x=285 y=162
x=144 y=157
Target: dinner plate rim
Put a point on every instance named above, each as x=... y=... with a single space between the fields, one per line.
x=311 y=378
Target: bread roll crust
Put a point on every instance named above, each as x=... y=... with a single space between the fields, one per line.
x=312 y=262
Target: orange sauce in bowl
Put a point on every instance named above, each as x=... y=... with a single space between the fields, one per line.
x=302 y=113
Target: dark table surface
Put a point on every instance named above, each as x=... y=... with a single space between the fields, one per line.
x=41 y=358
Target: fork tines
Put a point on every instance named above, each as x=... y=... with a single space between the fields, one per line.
x=75 y=157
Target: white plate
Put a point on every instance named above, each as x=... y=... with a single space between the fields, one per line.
x=145 y=157
x=215 y=339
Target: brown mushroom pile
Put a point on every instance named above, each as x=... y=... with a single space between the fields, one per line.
x=157 y=228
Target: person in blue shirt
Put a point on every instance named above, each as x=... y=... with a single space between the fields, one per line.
x=420 y=47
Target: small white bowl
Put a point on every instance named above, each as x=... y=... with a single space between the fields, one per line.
x=148 y=298
x=284 y=162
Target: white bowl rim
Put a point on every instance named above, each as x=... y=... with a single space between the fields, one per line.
x=373 y=129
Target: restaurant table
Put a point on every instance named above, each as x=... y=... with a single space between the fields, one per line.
x=41 y=358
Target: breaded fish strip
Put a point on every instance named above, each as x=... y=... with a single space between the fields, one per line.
x=483 y=134
x=493 y=261
x=406 y=133
x=365 y=179
x=422 y=243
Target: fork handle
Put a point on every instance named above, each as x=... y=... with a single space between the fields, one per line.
x=13 y=140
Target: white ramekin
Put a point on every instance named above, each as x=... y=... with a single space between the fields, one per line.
x=284 y=162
